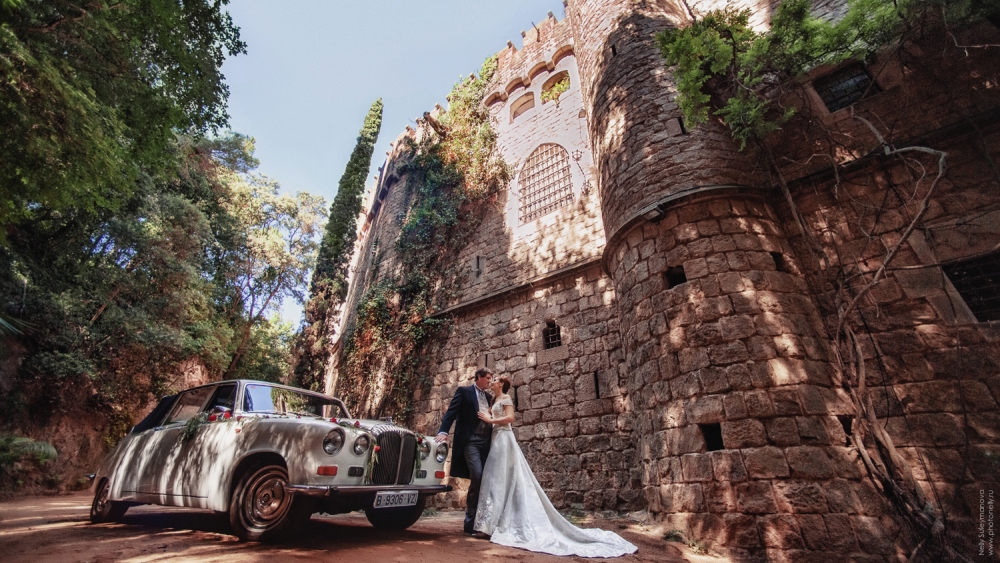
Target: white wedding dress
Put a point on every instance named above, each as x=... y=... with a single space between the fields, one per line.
x=514 y=510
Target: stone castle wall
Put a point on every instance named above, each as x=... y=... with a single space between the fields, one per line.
x=697 y=376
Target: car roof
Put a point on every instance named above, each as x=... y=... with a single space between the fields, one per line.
x=258 y=382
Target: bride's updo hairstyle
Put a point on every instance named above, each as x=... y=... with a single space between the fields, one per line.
x=506 y=382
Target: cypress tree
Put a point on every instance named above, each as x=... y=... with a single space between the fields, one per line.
x=329 y=281
x=338 y=241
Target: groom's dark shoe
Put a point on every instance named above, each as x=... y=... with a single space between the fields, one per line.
x=480 y=536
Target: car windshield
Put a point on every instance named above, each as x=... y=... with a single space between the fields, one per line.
x=268 y=399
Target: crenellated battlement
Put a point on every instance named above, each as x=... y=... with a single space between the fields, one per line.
x=542 y=46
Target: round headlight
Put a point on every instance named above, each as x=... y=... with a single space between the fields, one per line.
x=361 y=444
x=425 y=449
x=334 y=441
x=441 y=453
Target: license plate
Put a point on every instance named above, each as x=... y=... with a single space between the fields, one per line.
x=387 y=499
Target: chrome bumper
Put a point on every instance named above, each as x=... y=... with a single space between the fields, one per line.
x=334 y=490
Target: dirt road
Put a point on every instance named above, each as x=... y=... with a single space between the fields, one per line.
x=57 y=529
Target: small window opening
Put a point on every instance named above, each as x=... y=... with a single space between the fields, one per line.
x=614 y=51
x=978 y=282
x=515 y=397
x=479 y=266
x=675 y=276
x=555 y=87
x=847 y=422
x=780 y=264
x=597 y=386
x=486 y=361
x=844 y=87
x=713 y=436
x=523 y=104
x=680 y=121
x=551 y=335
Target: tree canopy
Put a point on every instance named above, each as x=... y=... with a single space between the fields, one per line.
x=92 y=93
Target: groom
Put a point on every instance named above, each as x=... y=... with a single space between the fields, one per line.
x=472 y=438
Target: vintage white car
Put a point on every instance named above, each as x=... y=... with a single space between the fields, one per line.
x=269 y=456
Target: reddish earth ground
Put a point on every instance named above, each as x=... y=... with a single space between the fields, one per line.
x=57 y=529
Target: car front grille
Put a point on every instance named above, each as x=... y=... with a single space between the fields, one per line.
x=397 y=451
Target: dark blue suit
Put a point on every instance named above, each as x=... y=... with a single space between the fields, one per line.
x=469 y=449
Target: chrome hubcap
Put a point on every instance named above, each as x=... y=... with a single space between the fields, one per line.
x=266 y=500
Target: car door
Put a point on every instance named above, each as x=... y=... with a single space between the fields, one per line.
x=132 y=451
x=197 y=473
x=166 y=442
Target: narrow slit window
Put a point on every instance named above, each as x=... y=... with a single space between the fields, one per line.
x=551 y=335
x=515 y=398
x=844 y=87
x=597 y=386
x=713 y=436
x=847 y=422
x=675 y=276
x=978 y=282
x=780 y=264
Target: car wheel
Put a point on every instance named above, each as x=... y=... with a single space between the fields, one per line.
x=396 y=518
x=103 y=510
x=261 y=509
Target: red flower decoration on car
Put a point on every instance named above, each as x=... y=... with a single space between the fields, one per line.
x=357 y=424
x=333 y=420
x=377 y=449
x=212 y=418
x=227 y=415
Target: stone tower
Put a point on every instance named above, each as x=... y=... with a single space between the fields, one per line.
x=728 y=359
x=692 y=372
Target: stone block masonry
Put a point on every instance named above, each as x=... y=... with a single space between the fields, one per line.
x=669 y=326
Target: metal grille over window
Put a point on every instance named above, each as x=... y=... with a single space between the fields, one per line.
x=551 y=335
x=545 y=183
x=844 y=87
x=978 y=282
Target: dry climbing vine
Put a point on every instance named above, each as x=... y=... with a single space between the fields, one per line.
x=726 y=69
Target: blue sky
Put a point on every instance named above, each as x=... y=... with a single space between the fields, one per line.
x=313 y=68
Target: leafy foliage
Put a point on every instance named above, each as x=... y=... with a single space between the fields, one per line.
x=184 y=270
x=20 y=456
x=93 y=91
x=747 y=71
x=450 y=177
x=552 y=93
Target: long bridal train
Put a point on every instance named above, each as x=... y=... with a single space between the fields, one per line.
x=515 y=511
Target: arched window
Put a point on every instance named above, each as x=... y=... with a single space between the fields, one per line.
x=523 y=104
x=545 y=183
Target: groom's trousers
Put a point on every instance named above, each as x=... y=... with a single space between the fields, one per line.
x=475 y=457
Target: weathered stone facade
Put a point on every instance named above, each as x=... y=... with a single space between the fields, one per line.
x=697 y=375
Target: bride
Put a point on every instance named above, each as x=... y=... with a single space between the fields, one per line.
x=514 y=510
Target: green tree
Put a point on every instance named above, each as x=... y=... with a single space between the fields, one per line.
x=274 y=252
x=92 y=92
x=338 y=240
x=185 y=269
x=329 y=281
